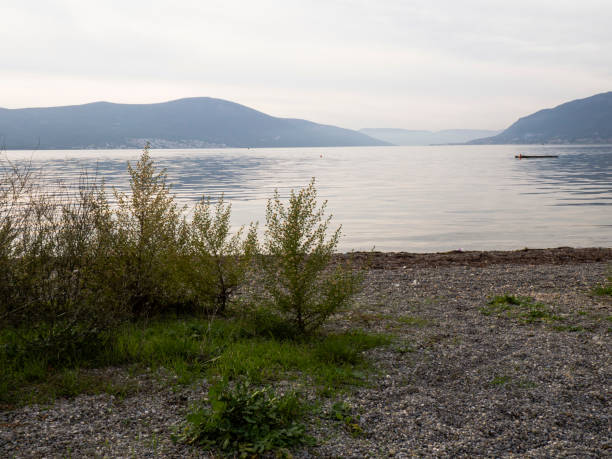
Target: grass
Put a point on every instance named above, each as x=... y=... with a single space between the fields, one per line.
x=507 y=381
x=604 y=289
x=569 y=328
x=188 y=349
x=501 y=380
x=414 y=321
x=522 y=309
x=330 y=362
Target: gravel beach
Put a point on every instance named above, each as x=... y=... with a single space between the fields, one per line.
x=455 y=382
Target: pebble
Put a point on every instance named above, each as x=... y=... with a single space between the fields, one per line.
x=461 y=384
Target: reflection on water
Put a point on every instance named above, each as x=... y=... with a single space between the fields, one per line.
x=394 y=198
x=580 y=176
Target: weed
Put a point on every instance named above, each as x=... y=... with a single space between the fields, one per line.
x=500 y=380
x=413 y=321
x=522 y=309
x=343 y=412
x=404 y=348
x=568 y=328
x=526 y=384
x=246 y=421
x=506 y=380
x=605 y=289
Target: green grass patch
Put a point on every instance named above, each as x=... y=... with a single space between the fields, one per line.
x=604 y=290
x=331 y=362
x=414 y=321
x=522 y=309
x=507 y=381
x=501 y=380
x=187 y=349
x=176 y=345
x=569 y=328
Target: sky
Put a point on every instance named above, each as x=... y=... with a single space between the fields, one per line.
x=435 y=64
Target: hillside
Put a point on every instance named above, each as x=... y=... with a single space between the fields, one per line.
x=412 y=137
x=586 y=121
x=185 y=123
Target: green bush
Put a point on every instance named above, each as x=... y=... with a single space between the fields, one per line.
x=15 y=186
x=219 y=260
x=245 y=421
x=50 y=284
x=150 y=234
x=297 y=275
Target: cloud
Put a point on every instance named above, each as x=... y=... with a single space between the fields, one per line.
x=413 y=64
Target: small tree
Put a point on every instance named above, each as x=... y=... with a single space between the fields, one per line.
x=150 y=232
x=220 y=260
x=296 y=266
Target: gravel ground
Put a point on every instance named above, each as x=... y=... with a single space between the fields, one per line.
x=454 y=383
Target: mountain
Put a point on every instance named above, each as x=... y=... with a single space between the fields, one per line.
x=409 y=137
x=185 y=123
x=579 y=121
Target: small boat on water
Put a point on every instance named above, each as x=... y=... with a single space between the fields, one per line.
x=522 y=156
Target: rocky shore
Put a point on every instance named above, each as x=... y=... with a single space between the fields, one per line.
x=458 y=380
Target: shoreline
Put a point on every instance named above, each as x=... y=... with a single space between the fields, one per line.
x=480 y=258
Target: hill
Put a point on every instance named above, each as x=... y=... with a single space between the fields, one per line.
x=185 y=123
x=411 y=137
x=579 y=121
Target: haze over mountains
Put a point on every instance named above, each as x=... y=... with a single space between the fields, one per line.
x=414 y=137
x=185 y=123
x=586 y=121
x=206 y=122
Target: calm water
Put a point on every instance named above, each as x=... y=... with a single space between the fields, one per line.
x=417 y=199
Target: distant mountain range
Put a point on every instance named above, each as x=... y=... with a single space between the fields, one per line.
x=186 y=123
x=206 y=122
x=410 y=137
x=579 y=121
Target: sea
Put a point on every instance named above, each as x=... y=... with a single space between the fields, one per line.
x=405 y=198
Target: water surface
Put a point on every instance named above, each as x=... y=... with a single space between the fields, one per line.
x=418 y=199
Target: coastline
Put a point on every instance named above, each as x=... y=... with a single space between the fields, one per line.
x=554 y=256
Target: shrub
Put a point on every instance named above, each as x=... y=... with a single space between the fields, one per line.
x=150 y=231
x=296 y=264
x=15 y=184
x=246 y=421
x=51 y=269
x=219 y=260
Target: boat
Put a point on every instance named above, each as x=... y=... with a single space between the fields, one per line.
x=522 y=156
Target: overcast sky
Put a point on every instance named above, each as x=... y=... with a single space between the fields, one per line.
x=431 y=64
